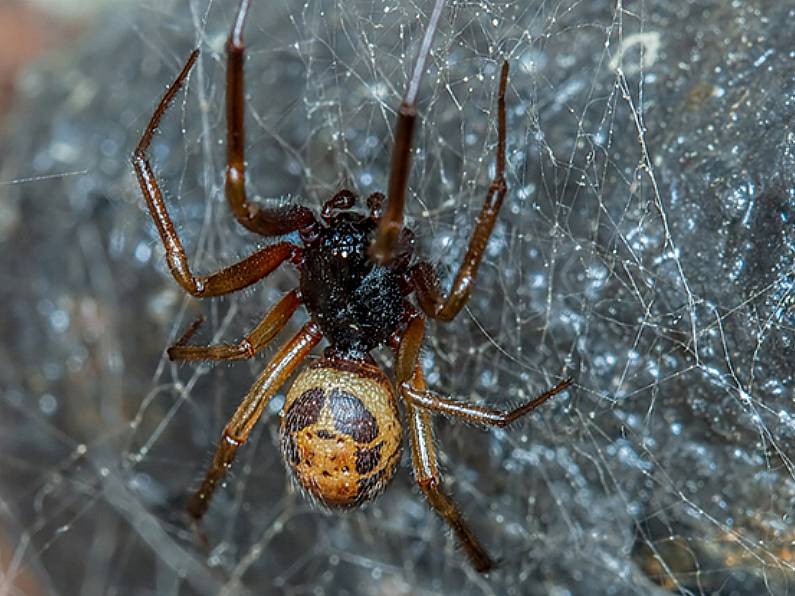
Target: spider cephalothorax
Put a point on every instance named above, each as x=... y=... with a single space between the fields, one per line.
x=357 y=303
x=341 y=432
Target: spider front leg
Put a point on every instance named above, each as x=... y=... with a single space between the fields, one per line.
x=241 y=423
x=383 y=248
x=426 y=282
x=232 y=278
x=262 y=220
x=273 y=322
x=423 y=453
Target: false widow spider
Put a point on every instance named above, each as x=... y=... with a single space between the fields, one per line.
x=341 y=433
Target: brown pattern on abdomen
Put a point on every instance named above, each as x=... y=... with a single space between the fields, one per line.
x=352 y=417
x=303 y=412
x=368 y=458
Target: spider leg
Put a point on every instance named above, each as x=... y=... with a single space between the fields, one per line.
x=426 y=282
x=423 y=454
x=383 y=248
x=266 y=221
x=392 y=221
x=273 y=322
x=481 y=415
x=232 y=278
x=241 y=423
x=408 y=351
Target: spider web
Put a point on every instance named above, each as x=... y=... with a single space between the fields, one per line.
x=645 y=249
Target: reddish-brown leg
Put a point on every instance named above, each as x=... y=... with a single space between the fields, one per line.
x=234 y=277
x=383 y=248
x=241 y=423
x=391 y=223
x=426 y=282
x=262 y=220
x=423 y=453
x=273 y=322
x=475 y=414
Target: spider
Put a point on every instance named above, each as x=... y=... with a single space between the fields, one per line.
x=341 y=431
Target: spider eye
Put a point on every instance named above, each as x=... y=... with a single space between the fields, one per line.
x=340 y=432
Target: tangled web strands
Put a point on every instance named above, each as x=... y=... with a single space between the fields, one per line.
x=645 y=248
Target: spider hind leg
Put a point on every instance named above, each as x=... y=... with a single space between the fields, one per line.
x=424 y=457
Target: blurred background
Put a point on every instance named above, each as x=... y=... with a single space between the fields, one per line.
x=30 y=28
x=645 y=249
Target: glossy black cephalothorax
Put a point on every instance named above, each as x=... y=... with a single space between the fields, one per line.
x=357 y=304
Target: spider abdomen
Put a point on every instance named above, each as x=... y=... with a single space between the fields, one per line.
x=340 y=432
x=357 y=304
